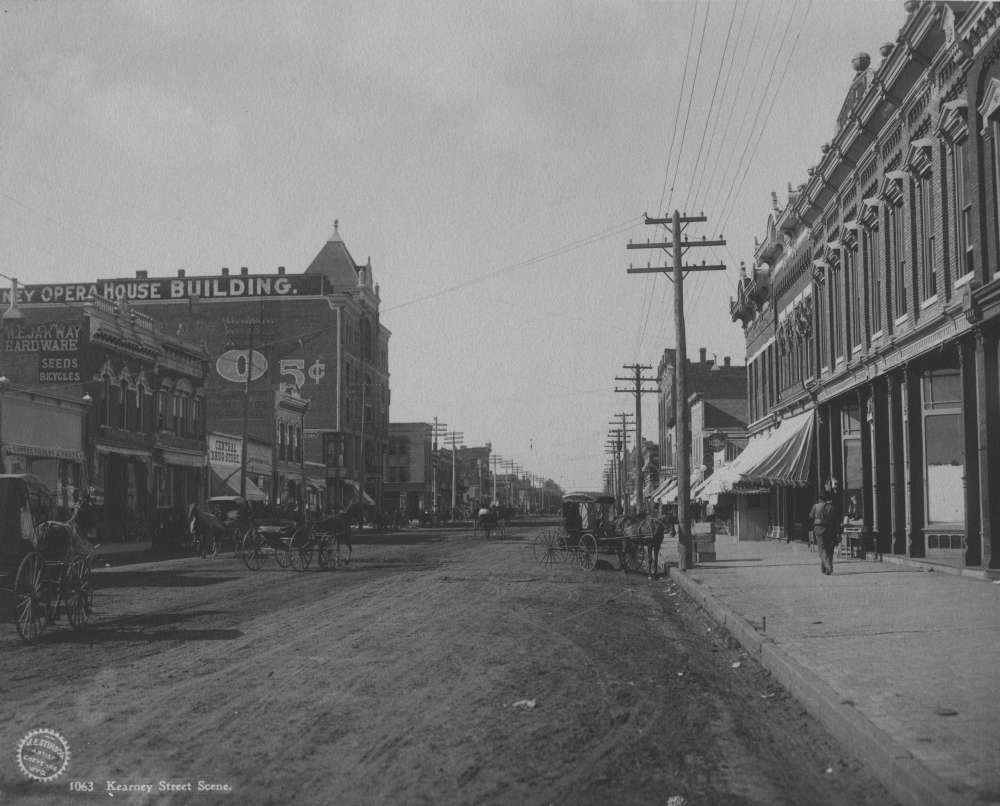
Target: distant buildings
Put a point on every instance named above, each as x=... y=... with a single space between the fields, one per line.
x=299 y=363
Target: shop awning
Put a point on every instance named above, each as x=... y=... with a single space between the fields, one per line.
x=229 y=484
x=785 y=456
x=665 y=489
x=365 y=498
x=780 y=456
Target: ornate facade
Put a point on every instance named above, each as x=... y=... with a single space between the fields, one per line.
x=874 y=301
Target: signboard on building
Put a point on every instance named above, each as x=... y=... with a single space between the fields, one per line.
x=717 y=442
x=53 y=347
x=170 y=288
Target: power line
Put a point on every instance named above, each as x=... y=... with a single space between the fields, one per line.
x=521 y=264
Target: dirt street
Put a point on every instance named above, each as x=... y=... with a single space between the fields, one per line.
x=437 y=668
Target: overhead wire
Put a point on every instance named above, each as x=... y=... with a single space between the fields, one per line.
x=666 y=176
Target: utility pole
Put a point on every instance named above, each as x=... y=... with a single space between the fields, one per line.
x=246 y=416
x=677 y=248
x=495 y=460
x=624 y=428
x=453 y=438
x=437 y=430
x=638 y=391
x=611 y=447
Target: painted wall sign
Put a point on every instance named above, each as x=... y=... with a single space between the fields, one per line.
x=57 y=345
x=232 y=365
x=143 y=290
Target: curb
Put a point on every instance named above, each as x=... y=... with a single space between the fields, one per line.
x=909 y=781
x=938 y=568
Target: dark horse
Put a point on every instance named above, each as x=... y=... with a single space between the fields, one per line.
x=339 y=528
x=646 y=532
x=205 y=529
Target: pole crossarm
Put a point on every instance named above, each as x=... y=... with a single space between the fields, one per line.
x=683 y=219
x=672 y=245
x=685 y=268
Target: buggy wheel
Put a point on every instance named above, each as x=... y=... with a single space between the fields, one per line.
x=300 y=549
x=324 y=557
x=253 y=556
x=587 y=553
x=30 y=597
x=300 y=559
x=280 y=555
x=545 y=548
x=79 y=595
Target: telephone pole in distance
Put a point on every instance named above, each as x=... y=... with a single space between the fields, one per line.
x=638 y=391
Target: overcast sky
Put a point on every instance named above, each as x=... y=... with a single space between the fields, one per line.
x=492 y=159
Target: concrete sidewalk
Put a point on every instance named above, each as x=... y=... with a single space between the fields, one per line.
x=900 y=663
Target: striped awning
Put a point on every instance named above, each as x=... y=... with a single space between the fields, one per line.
x=785 y=458
x=780 y=456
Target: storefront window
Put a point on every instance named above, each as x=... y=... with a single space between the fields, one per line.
x=850 y=429
x=944 y=456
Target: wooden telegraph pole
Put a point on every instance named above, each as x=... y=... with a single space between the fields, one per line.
x=622 y=429
x=437 y=430
x=677 y=248
x=638 y=391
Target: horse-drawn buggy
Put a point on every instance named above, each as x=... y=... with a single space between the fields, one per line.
x=290 y=543
x=46 y=563
x=221 y=520
x=592 y=526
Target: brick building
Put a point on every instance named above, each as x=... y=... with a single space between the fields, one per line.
x=717 y=400
x=144 y=445
x=317 y=331
x=872 y=313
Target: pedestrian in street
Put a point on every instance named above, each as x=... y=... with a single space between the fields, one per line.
x=825 y=517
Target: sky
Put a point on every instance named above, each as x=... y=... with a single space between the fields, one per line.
x=493 y=160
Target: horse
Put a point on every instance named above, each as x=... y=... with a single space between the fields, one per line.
x=207 y=530
x=648 y=532
x=486 y=520
x=339 y=528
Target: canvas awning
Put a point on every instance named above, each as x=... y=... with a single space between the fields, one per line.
x=365 y=498
x=669 y=495
x=665 y=489
x=229 y=484
x=779 y=456
x=785 y=456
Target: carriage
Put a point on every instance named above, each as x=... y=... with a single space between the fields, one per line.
x=591 y=526
x=223 y=519
x=42 y=561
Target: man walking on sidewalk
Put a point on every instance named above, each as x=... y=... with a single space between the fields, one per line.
x=825 y=515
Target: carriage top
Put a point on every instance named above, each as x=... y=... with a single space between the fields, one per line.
x=583 y=497
x=24 y=503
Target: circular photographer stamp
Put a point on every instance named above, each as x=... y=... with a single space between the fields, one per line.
x=43 y=754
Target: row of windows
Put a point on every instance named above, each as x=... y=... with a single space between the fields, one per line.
x=870 y=278
x=129 y=408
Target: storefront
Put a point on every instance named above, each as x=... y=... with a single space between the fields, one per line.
x=42 y=434
x=225 y=461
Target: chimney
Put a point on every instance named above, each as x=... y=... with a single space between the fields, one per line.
x=704 y=353
x=181 y=273
x=281 y=269
x=244 y=271
x=141 y=275
x=225 y=271
x=726 y=361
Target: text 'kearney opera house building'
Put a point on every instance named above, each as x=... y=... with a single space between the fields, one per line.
x=296 y=361
x=872 y=315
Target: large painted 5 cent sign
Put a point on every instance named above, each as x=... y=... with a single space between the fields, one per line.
x=234 y=365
